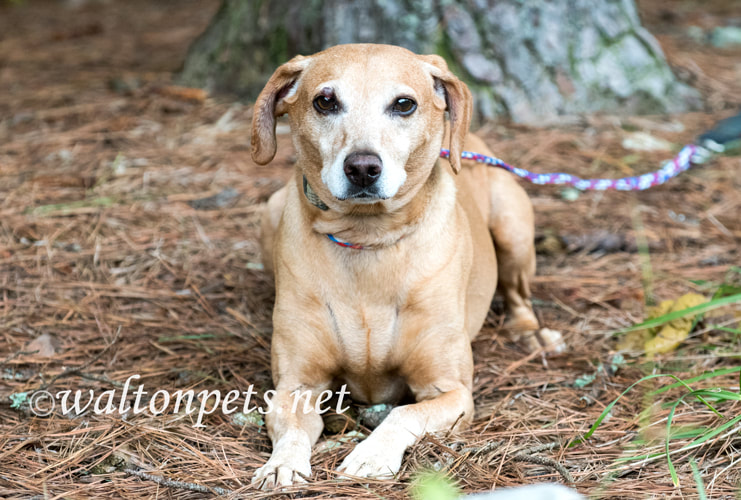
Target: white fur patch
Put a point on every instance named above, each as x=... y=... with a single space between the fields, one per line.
x=333 y=176
x=392 y=177
x=364 y=123
x=388 y=184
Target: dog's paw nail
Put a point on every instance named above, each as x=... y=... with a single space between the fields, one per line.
x=263 y=480
x=272 y=476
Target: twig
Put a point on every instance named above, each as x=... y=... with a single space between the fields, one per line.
x=101 y=378
x=540 y=447
x=182 y=485
x=488 y=447
x=455 y=423
x=526 y=455
x=13 y=356
x=548 y=462
x=471 y=451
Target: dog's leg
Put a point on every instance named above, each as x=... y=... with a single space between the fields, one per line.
x=293 y=433
x=380 y=455
x=512 y=227
x=521 y=324
x=302 y=369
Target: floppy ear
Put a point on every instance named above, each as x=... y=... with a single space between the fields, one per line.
x=271 y=104
x=459 y=105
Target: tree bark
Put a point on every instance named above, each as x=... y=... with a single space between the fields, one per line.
x=528 y=60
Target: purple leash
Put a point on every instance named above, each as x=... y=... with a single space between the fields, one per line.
x=717 y=140
x=687 y=156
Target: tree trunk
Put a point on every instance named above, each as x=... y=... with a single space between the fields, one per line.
x=528 y=60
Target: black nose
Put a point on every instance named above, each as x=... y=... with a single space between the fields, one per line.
x=363 y=169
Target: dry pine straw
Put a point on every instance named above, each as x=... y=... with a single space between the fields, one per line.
x=100 y=249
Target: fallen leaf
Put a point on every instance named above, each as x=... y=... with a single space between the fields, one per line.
x=670 y=335
x=45 y=344
x=667 y=337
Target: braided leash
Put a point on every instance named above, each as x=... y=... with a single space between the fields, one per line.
x=715 y=141
x=690 y=154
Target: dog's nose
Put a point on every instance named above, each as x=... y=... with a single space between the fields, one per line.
x=363 y=169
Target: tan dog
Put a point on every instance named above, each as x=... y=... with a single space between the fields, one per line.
x=398 y=315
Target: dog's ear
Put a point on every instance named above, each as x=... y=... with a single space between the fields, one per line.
x=459 y=104
x=270 y=104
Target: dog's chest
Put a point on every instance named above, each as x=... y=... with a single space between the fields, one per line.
x=366 y=333
x=368 y=338
x=366 y=325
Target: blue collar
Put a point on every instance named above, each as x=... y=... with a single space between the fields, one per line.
x=345 y=244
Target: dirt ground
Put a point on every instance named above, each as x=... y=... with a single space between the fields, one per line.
x=117 y=259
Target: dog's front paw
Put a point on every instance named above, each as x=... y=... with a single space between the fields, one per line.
x=372 y=458
x=282 y=471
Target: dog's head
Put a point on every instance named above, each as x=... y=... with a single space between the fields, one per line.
x=367 y=121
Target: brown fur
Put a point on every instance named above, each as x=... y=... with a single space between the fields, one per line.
x=398 y=315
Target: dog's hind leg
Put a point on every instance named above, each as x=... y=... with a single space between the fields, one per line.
x=511 y=222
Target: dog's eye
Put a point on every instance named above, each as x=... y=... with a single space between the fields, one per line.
x=403 y=106
x=326 y=104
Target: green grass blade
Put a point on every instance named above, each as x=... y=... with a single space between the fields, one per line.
x=702 y=308
x=712 y=433
x=721 y=395
x=637 y=458
x=670 y=419
x=688 y=433
x=707 y=435
x=699 y=378
x=698 y=441
x=672 y=470
x=729 y=330
x=698 y=481
x=608 y=408
x=707 y=395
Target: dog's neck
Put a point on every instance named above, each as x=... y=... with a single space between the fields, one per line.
x=370 y=227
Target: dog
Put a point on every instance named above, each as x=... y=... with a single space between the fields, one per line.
x=385 y=260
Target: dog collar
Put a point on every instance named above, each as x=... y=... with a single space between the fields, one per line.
x=313 y=197
x=318 y=203
x=345 y=244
